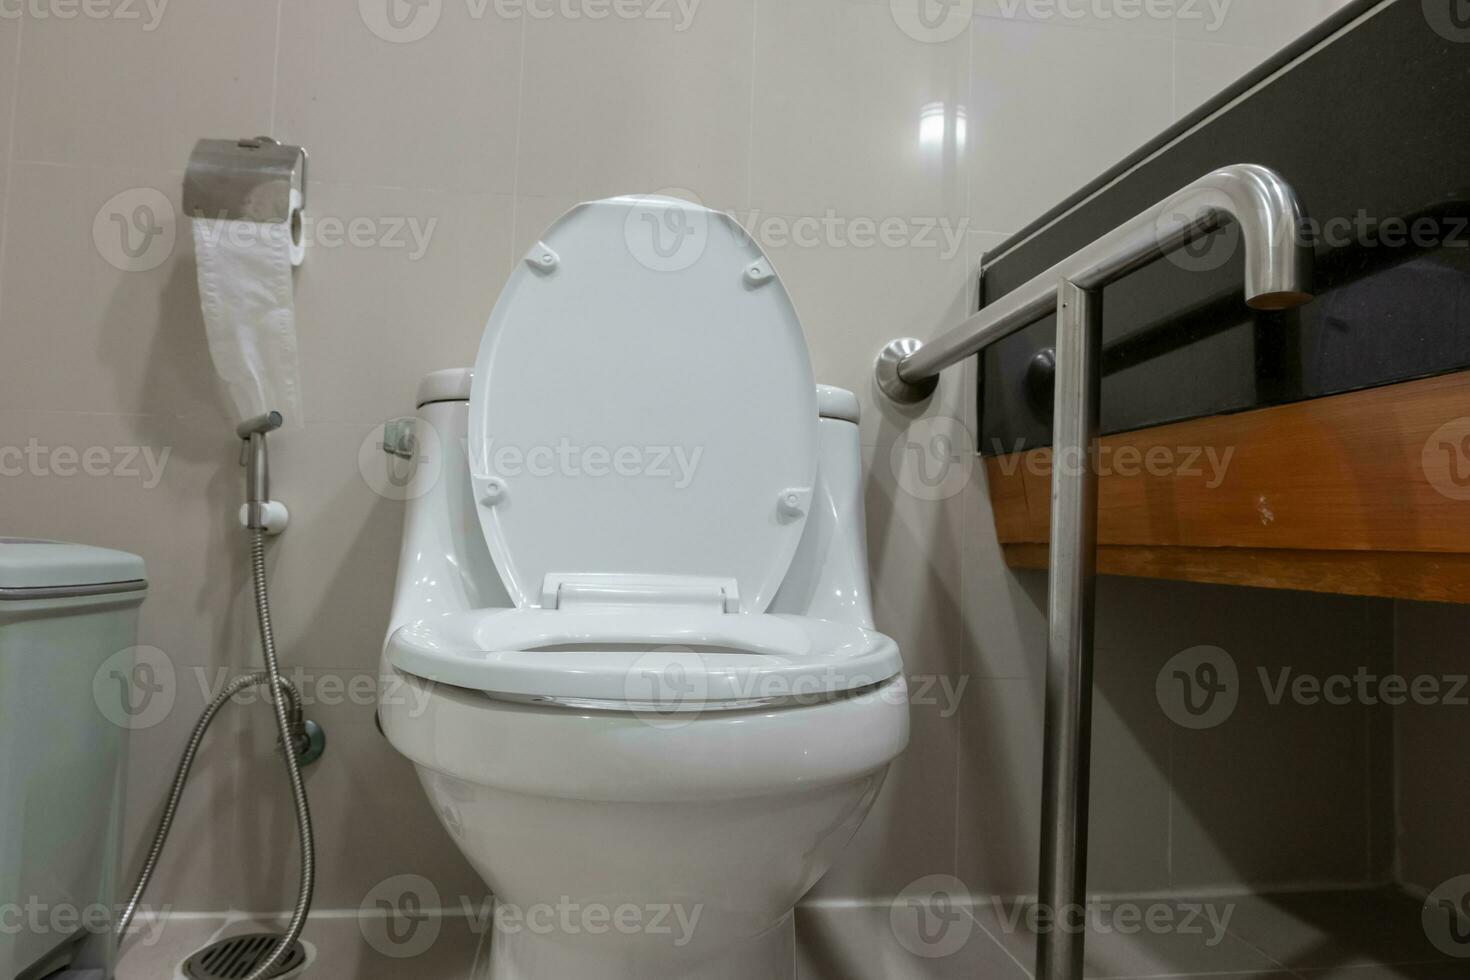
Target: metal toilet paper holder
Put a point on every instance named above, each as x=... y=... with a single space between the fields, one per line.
x=246 y=180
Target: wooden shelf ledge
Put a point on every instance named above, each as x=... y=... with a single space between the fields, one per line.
x=1366 y=493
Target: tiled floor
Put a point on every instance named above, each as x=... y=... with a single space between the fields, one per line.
x=1376 y=935
x=338 y=946
x=1311 y=936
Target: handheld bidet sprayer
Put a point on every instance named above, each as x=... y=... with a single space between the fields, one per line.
x=260 y=512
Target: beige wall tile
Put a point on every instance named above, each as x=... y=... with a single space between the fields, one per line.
x=1433 y=775
x=1259 y=23
x=618 y=105
x=1157 y=17
x=98 y=265
x=1278 y=793
x=999 y=791
x=9 y=65
x=533 y=215
x=1000 y=768
x=1203 y=69
x=856 y=117
x=4 y=198
x=1052 y=107
x=407 y=294
x=93 y=92
x=1004 y=613
x=436 y=111
x=854 y=298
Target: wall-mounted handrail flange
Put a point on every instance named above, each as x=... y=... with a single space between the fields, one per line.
x=896 y=388
x=1278 y=275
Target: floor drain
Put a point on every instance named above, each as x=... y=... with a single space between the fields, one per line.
x=236 y=957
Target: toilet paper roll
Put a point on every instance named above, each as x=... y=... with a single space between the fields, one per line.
x=296 y=228
x=248 y=300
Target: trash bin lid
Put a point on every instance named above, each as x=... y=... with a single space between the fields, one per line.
x=27 y=563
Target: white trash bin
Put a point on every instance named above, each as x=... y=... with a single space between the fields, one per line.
x=70 y=690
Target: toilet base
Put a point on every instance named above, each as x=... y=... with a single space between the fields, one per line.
x=523 y=955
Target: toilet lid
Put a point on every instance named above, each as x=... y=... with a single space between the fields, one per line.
x=643 y=407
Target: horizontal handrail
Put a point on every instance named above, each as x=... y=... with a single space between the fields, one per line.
x=1278 y=269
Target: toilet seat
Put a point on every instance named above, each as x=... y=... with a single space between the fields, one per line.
x=641 y=324
x=678 y=659
x=643 y=405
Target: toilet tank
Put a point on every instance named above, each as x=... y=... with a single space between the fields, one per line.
x=828 y=578
x=445 y=566
x=68 y=627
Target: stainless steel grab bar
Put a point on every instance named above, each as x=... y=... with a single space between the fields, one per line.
x=1278 y=269
x=1278 y=275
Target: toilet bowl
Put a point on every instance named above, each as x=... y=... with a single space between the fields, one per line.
x=632 y=655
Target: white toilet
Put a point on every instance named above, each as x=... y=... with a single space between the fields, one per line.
x=640 y=679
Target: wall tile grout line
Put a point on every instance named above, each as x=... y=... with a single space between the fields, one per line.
x=9 y=161
x=276 y=70
x=969 y=910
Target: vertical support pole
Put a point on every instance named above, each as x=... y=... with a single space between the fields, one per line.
x=1062 y=893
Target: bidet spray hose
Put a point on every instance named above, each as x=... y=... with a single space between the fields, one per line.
x=287 y=722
